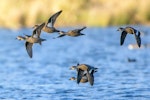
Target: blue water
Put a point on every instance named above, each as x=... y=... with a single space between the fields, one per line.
x=46 y=75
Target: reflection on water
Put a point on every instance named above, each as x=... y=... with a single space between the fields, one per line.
x=46 y=76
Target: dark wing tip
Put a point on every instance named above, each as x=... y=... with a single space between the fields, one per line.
x=138 y=40
x=62 y=35
x=79 y=30
x=78 y=80
x=121 y=42
x=139 y=45
x=84 y=27
x=60 y=11
x=82 y=34
x=30 y=56
x=57 y=30
x=91 y=77
x=29 y=48
x=79 y=76
x=92 y=81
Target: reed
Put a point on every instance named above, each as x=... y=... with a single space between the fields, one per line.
x=26 y=13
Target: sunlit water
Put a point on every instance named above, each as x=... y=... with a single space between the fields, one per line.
x=46 y=75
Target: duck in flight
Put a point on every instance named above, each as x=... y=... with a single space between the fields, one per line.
x=34 y=38
x=72 y=33
x=49 y=25
x=84 y=72
x=130 y=30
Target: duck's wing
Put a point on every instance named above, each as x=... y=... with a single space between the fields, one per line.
x=29 y=48
x=77 y=30
x=52 y=19
x=37 y=31
x=82 y=28
x=90 y=77
x=26 y=35
x=60 y=36
x=138 y=39
x=79 y=75
x=123 y=36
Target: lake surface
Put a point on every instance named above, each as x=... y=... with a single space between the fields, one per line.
x=46 y=75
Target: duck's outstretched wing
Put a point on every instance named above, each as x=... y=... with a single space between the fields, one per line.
x=53 y=18
x=61 y=35
x=37 y=31
x=78 y=30
x=79 y=75
x=29 y=48
x=138 y=39
x=123 y=36
x=90 y=77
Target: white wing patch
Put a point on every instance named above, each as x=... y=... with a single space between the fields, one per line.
x=35 y=35
x=49 y=24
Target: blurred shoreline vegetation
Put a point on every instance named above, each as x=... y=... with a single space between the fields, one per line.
x=26 y=13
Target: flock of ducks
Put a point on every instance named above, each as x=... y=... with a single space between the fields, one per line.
x=84 y=72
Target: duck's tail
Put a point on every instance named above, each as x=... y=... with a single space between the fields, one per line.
x=42 y=41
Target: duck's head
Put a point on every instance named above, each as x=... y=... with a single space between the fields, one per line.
x=73 y=67
x=120 y=29
x=72 y=78
x=20 y=38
